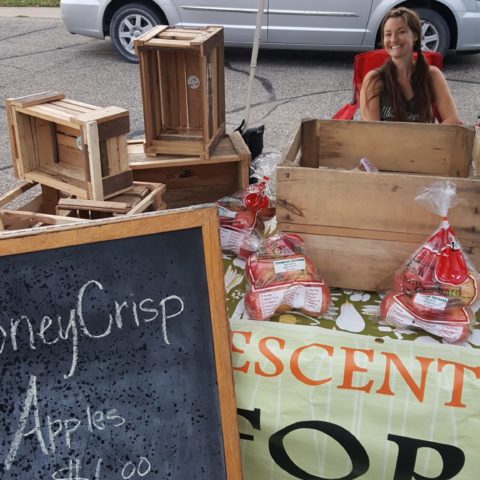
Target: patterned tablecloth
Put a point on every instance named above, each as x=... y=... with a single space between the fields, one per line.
x=350 y=311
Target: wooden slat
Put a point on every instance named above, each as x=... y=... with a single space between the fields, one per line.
x=174 y=90
x=294 y=146
x=11 y=215
x=149 y=82
x=168 y=43
x=213 y=68
x=113 y=128
x=342 y=144
x=214 y=140
x=368 y=201
x=154 y=94
x=45 y=141
x=194 y=95
x=310 y=144
x=73 y=131
x=220 y=77
x=226 y=151
x=176 y=34
x=71 y=186
x=34 y=205
x=164 y=99
x=96 y=205
x=475 y=168
x=469 y=240
x=102 y=115
x=11 y=135
x=205 y=95
x=94 y=162
x=6 y=198
x=36 y=99
x=191 y=184
x=356 y=263
x=40 y=111
x=113 y=157
x=176 y=147
x=71 y=156
x=114 y=184
x=50 y=197
x=182 y=90
x=75 y=106
x=122 y=153
x=145 y=37
x=238 y=144
x=66 y=108
x=153 y=198
x=24 y=138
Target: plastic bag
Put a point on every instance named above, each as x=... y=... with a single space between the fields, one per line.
x=437 y=289
x=264 y=169
x=280 y=277
x=242 y=216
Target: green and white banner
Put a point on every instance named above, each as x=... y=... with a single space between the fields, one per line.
x=318 y=404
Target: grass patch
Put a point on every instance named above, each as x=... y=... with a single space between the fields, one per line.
x=29 y=3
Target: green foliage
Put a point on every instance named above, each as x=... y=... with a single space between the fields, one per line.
x=29 y=3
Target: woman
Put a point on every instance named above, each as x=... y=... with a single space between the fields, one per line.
x=404 y=89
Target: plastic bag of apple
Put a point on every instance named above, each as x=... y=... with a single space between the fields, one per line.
x=437 y=289
x=281 y=277
x=243 y=215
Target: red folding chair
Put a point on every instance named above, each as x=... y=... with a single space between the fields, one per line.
x=362 y=64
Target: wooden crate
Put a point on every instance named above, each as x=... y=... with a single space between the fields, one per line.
x=192 y=180
x=68 y=145
x=183 y=89
x=140 y=197
x=52 y=207
x=360 y=227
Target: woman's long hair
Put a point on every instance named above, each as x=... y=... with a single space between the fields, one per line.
x=420 y=80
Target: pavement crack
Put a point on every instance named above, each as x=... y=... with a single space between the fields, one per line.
x=266 y=84
x=56 y=49
x=286 y=100
x=23 y=34
x=461 y=80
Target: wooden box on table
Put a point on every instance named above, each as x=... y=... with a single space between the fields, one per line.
x=183 y=89
x=359 y=227
x=192 y=180
x=52 y=207
x=68 y=145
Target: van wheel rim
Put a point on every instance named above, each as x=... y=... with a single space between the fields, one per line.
x=430 y=37
x=130 y=28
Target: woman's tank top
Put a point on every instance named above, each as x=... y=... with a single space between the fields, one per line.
x=388 y=115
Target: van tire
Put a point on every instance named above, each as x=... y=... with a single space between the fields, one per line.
x=129 y=22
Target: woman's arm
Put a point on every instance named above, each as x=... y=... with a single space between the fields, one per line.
x=369 y=97
x=443 y=98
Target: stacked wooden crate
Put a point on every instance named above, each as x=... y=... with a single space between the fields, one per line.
x=70 y=146
x=72 y=150
x=183 y=91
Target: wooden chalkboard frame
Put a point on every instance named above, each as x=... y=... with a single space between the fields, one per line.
x=205 y=217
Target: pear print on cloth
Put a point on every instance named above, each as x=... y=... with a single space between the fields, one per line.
x=349 y=319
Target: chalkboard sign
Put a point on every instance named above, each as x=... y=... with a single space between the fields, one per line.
x=114 y=352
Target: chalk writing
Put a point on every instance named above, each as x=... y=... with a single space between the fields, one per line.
x=52 y=328
x=73 y=471
x=142 y=469
x=98 y=420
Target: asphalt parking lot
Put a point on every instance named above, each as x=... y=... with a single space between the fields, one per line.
x=38 y=54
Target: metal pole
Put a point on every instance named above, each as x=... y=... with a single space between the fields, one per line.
x=253 y=62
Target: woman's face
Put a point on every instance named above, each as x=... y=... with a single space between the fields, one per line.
x=398 y=39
